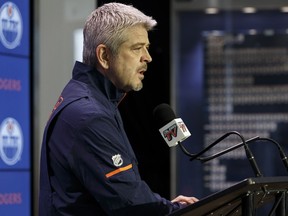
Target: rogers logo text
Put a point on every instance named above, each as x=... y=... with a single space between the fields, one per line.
x=11 y=27
x=11 y=141
x=10 y=84
x=10 y=198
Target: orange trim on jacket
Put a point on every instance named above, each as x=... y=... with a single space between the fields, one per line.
x=121 y=169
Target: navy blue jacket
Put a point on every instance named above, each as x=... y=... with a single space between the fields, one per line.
x=88 y=166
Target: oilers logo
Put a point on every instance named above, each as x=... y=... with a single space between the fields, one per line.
x=11 y=27
x=11 y=141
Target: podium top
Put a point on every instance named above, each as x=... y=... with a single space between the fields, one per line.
x=229 y=201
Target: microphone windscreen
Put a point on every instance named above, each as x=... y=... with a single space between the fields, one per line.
x=163 y=114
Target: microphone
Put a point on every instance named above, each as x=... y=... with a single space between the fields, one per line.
x=172 y=129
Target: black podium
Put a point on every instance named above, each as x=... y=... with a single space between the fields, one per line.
x=243 y=198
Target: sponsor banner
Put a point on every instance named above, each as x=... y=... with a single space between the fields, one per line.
x=15 y=113
x=15 y=27
x=15 y=195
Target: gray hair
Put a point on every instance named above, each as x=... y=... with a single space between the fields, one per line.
x=106 y=24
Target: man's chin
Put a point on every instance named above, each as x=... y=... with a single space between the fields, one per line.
x=138 y=87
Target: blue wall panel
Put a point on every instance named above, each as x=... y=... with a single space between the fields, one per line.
x=15 y=109
x=15 y=194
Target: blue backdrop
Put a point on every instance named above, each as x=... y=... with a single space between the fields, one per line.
x=15 y=110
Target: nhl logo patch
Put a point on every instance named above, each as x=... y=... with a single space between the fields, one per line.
x=117 y=160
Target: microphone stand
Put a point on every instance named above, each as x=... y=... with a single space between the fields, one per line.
x=257 y=138
x=205 y=159
x=247 y=151
x=283 y=156
x=196 y=156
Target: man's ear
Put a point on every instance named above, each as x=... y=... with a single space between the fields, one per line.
x=102 y=55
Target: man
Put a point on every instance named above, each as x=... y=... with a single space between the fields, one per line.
x=88 y=166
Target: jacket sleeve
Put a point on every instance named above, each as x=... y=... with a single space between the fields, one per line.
x=104 y=162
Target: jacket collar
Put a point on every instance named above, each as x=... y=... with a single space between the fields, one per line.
x=91 y=76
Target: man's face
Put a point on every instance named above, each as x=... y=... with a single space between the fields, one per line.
x=128 y=67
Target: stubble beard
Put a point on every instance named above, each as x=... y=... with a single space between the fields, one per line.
x=138 y=87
